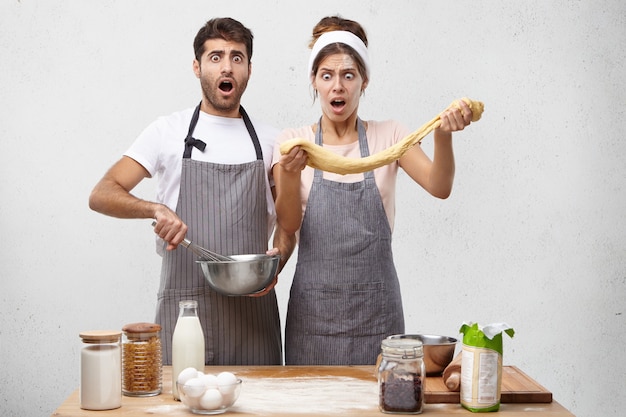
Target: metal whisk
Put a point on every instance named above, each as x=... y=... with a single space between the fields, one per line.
x=202 y=253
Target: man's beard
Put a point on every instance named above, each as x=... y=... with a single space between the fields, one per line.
x=217 y=102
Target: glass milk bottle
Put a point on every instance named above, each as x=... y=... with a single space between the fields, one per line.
x=187 y=342
x=100 y=370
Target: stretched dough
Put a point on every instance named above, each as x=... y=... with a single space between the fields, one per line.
x=321 y=158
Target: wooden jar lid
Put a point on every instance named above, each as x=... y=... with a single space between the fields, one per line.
x=141 y=328
x=100 y=336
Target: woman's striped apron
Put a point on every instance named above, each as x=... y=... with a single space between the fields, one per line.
x=345 y=297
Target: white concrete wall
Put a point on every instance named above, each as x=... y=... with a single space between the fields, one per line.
x=534 y=233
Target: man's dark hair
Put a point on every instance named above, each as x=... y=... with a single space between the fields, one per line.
x=223 y=28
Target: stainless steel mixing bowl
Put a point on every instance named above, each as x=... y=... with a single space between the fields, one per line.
x=438 y=350
x=246 y=274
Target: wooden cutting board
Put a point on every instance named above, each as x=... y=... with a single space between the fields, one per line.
x=517 y=387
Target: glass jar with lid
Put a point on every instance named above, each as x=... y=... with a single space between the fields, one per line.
x=100 y=370
x=401 y=376
x=141 y=360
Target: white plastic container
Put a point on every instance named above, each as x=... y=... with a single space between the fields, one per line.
x=100 y=370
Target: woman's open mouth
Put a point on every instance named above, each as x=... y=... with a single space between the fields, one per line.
x=338 y=106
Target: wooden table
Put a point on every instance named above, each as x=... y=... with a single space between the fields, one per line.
x=309 y=391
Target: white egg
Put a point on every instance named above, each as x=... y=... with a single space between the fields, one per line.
x=226 y=382
x=193 y=403
x=186 y=374
x=194 y=388
x=211 y=399
x=200 y=374
x=228 y=399
x=209 y=380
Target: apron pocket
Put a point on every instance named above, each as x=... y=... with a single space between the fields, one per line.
x=342 y=309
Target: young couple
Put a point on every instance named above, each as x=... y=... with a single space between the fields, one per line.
x=223 y=183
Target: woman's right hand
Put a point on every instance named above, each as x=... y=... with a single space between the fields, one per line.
x=287 y=181
x=294 y=161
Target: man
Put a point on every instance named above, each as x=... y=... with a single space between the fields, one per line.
x=212 y=165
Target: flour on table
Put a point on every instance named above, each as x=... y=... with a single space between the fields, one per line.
x=169 y=410
x=304 y=395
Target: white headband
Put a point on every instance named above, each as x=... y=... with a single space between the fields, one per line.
x=340 y=36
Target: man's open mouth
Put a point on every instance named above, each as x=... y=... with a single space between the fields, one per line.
x=226 y=86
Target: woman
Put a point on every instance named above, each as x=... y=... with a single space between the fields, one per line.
x=345 y=297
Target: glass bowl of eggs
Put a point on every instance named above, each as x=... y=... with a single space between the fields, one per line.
x=208 y=393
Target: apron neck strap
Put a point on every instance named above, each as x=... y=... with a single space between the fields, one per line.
x=191 y=142
x=252 y=133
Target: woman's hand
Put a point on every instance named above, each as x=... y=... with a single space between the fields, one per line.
x=437 y=177
x=293 y=161
x=287 y=173
x=454 y=119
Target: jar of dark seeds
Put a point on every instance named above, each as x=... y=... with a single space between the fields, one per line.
x=141 y=360
x=401 y=377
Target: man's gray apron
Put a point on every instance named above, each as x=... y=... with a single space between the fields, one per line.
x=225 y=208
x=345 y=297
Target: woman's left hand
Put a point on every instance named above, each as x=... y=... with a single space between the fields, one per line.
x=454 y=119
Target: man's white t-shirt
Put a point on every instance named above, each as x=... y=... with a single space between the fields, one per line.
x=159 y=149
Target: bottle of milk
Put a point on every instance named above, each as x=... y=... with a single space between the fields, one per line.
x=187 y=342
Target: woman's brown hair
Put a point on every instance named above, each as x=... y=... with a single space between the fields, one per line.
x=334 y=23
